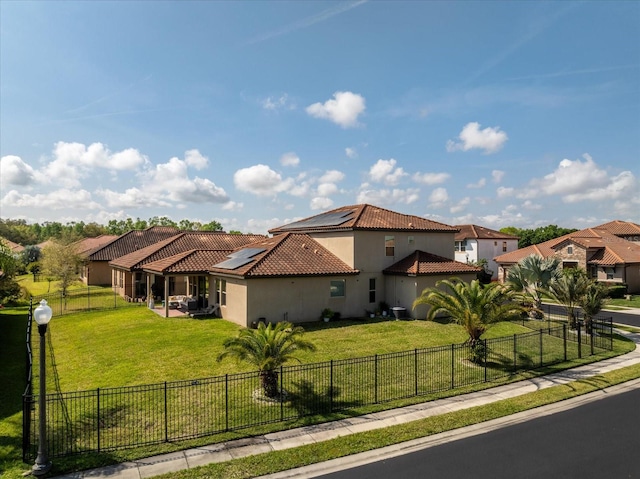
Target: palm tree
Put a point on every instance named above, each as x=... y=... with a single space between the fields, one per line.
x=473 y=305
x=267 y=348
x=594 y=299
x=569 y=290
x=532 y=276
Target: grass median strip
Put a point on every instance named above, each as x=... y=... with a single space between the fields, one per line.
x=361 y=442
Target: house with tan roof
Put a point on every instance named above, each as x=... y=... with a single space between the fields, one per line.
x=474 y=243
x=348 y=260
x=602 y=251
x=133 y=279
x=96 y=269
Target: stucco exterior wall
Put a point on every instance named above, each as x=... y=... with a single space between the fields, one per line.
x=489 y=249
x=340 y=243
x=633 y=278
x=96 y=273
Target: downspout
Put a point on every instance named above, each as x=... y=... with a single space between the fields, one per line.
x=166 y=296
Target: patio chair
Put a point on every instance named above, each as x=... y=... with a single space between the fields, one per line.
x=211 y=310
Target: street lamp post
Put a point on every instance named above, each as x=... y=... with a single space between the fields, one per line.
x=42 y=315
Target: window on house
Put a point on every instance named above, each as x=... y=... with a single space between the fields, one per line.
x=461 y=245
x=337 y=288
x=504 y=246
x=410 y=240
x=390 y=245
x=569 y=249
x=222 y=291
x=610 y=272
x=372 y=290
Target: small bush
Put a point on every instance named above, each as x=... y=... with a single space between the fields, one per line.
x=616 y=290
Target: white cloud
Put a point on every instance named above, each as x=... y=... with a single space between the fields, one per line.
x=504 y=192
x=497 y=176
x=343 y=110
x=327 y=189
x=387 y=197
x=385 y=171
x=320 y=203
x=131 y=198
x=460 y=206
x=431 y=178
x=438 y=197
x=490 y=139
x=529 y=205
x=277 y=103
x=195 y=159
x=579 y=180
x=55 y=200
x=481 y=182
x=14 y=171
x=331 y=176
x=261 y=181
x=289 y=159
x=233 y=206
x=351 y=152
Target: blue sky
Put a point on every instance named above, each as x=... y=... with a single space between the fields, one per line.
x=255 y=114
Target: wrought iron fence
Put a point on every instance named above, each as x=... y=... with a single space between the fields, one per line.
x=116 y=418
x=86 y=299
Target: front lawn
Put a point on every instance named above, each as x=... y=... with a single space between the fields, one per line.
x=136 y=346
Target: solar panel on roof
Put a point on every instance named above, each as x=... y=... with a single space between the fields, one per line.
x=335 y=218
x=233 y=263
x=239 y=258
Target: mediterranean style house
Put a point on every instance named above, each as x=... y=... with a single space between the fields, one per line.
x=348 y=260
x=474 y=243
x=608 y=253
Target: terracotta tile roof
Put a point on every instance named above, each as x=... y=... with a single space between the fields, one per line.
x=132 y=241
x=184 y=241
x=363 y=217
x=480 y=232
x=87 y=245
x=14 y=247
x=592 y=239
x=289 y=254
x=621 y=228
x=188 y=262
x=420 y=263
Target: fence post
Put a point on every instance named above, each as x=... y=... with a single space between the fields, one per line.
x=485 y=360
x=579 y=340
x=415 y=369
x=564 y=340
x=331 y=386
x=375 y=380
x=88 y=298
x=226 y=402
x=453 y=371
x=515 y=353
x=98 y=416
x=281 y=395
x=541 y=348
x=591 y=337
x=166 y=414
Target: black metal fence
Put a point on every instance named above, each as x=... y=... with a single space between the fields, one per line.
x=86 y=299
x=114 y=418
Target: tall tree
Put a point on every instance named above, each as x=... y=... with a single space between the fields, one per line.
x=267 y=348
x=62 y=262
x=568 y=290
x=473 y=305
x=532 y=276
x=594 y=299
x=9 y=289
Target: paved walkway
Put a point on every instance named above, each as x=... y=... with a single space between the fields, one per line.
x=221 y=452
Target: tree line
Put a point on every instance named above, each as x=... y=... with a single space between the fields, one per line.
x=528 y=236
x=23 y=233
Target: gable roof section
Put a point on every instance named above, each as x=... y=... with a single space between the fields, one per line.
x=480 y=232
x=182 y=242
x=363 y=217
x=288 y=254
x=187 y=262
x=14 y=247
x=131 y=241
x=621 y=228
x=87 y=245
x=420 y=263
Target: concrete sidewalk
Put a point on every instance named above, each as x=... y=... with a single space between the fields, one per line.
x=291 y=438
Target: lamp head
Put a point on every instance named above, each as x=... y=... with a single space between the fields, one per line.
x=42 y=314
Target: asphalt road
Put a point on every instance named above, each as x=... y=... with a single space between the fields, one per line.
x=600 y=439
x=630 y=319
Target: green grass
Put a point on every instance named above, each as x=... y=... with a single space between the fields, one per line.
x=136 y=346
x=43 y=287
x=625 y=303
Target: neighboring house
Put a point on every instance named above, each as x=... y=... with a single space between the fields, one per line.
x=133 y=280
x=15 y=248
x=96 y=269
x=599 y=251
x=473 y=243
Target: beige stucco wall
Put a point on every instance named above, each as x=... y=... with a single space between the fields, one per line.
x=96 y=273
x=340 y=243
x=633 y=278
